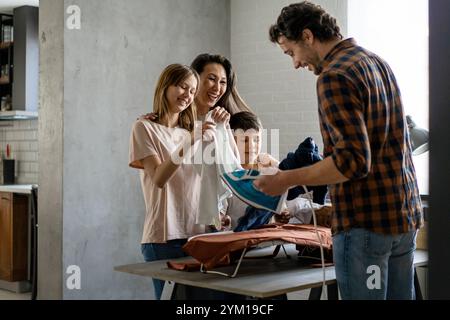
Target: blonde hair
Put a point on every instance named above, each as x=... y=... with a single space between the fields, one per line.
x=173 y=75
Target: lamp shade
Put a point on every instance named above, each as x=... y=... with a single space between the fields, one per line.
x=419 y=137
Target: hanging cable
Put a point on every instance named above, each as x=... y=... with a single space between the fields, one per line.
x=322 y=257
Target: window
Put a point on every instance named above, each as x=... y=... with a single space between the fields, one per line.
x=398 y=32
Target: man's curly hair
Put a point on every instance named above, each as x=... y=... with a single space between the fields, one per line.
x=297 y=17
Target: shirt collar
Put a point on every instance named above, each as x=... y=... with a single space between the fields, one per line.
x=345 y=44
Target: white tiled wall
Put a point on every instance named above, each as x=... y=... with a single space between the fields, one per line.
x=23 y=139
x=283 y=98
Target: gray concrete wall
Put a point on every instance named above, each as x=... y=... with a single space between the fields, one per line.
x=111 y=66
x=284 y=98
x=50 y=137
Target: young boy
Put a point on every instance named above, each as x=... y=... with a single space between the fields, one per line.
x=247 y=130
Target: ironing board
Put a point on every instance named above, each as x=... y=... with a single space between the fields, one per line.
x=215 y=249
x=277 y=243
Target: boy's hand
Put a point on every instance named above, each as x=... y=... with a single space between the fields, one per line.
x=225 y=221
x=225 y=224
x=266 y=160
x=283 y=217
x=323 y=216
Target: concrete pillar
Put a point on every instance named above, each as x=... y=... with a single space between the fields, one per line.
x=50 y=132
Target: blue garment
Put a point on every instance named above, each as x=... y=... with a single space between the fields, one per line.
x=253 y=218
x=364 y=259
x=306 y=154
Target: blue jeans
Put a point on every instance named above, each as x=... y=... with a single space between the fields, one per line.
x=159 y=251
x=372 y=266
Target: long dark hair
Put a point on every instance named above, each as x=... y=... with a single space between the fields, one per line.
x=231 y=100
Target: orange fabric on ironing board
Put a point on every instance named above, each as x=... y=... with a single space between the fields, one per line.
x=214 y=249
x=189 y=265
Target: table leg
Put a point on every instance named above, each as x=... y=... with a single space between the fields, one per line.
x=315 y=293
x=168 y=290
x=332 y=291
x=417 y=286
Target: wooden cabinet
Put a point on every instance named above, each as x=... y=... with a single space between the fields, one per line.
x=13 y=237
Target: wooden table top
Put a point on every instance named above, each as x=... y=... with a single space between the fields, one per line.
x=261 y=278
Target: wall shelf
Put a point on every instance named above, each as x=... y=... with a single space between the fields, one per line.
x=5 y=45
x=18 y=115
x=4 y=80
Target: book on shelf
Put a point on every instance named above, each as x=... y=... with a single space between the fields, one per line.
x=7 y=34
x=4 y=74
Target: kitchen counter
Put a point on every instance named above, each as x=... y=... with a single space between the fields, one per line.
x=17 y=188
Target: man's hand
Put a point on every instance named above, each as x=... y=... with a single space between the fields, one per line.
x=273 y=185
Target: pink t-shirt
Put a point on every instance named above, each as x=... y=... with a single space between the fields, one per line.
x=172 y=210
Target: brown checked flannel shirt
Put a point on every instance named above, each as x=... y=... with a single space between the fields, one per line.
x=364 y=131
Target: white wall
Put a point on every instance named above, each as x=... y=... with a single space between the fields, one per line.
x=126 y=45
x=284 y=98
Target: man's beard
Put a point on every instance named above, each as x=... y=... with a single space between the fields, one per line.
x=317 y=70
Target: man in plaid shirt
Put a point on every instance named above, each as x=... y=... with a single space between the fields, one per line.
x=368 y=163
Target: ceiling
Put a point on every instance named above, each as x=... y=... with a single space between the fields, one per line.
x=6 y=6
